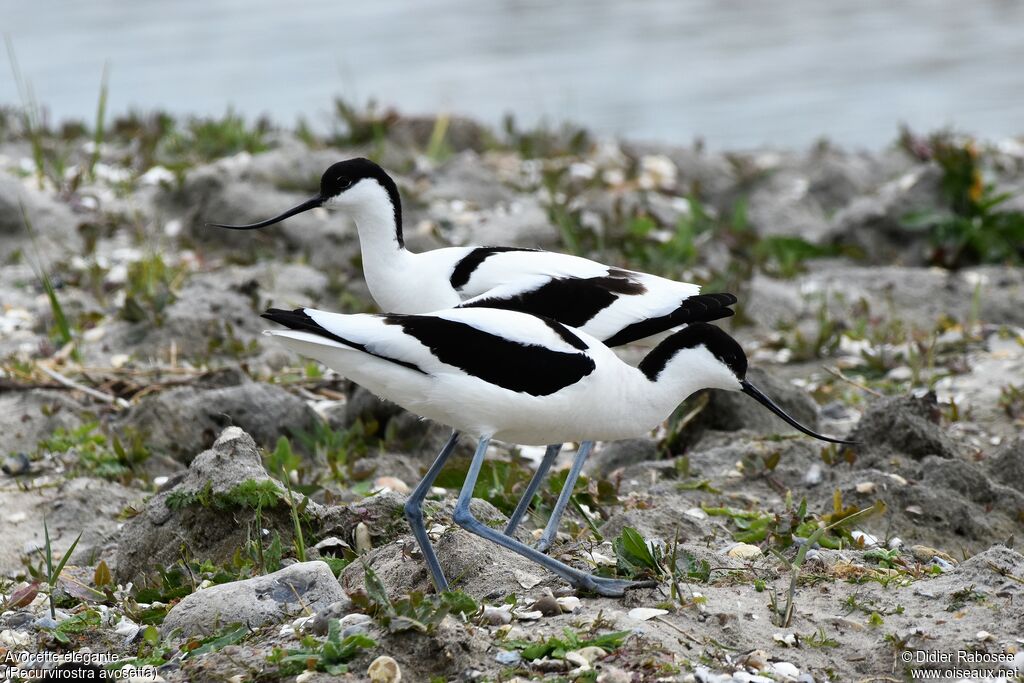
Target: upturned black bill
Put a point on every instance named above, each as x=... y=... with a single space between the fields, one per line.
x=755 y=393
x=304 y=206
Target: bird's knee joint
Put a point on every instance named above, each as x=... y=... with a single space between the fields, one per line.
x=413 y=509
x=463 y=517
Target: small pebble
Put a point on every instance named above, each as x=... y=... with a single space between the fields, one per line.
x=645 y=613
x=744 y=551
x=355 y=619
x=787 y=639
x=528 y=615
x=13 y=640
x=16 y=464
x=547 y=605
x=925 y=554
x=864 y=539
x=866 y=487
x=45 y=622
x=578 y=661
x=363 y=542
x=525 y=579
x=786 y=670
x=569 y=603
x=392 y=484
x=591 y=653
x=384 y=669
x=496 y=616
x=756 y=660
x=508 y=657
x=333 y=546
x=613 y=674
x=984 y=636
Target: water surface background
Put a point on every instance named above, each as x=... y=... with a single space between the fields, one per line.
x=737 y=74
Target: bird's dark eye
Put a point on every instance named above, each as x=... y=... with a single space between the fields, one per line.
x=344 y=183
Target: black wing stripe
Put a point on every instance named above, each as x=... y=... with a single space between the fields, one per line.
x=300 y=320
x=566 y=334
x=471 y=261
x=701 y=308
x=570 y=301
x=524 y=368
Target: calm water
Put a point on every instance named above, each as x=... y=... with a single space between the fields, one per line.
x=739 y=74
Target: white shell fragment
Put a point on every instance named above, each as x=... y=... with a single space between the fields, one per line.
x=645 y=613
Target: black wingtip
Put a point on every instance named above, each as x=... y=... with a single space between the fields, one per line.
x=698 y=308
x=296 y=319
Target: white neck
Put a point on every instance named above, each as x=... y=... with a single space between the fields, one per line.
x=387 y=265
x=687 y=372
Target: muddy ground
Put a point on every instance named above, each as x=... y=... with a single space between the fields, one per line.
x=238 y=512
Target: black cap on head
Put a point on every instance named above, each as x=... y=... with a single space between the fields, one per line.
x=344 y=174
x=719 y=343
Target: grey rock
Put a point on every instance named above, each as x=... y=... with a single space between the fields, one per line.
x=472 y=564
x=783 y=206
x=466 y=179
x=611 y=456
x=27 y=417
x=184 y=421
x=45 y=622
x=903 y=425
x=85 y=505
x=1007 y=465
x=217 y=194
x=157 y=534
x=335 y=610
x=257 y=601
x=53 y=222
x=16 y=464
x=875 y=224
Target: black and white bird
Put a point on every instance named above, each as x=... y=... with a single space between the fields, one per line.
x=524 y=379
x=614 y=305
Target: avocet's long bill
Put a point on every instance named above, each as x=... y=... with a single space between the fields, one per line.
x=755 y=393
x=311 y=203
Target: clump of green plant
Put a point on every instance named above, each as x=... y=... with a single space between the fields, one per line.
x=959 y=599
x=975 y=228
x=250 y=494
x=151 y=287
x=339 y=447
x=152 y=597
x=1011 y=400
x=782 y=614
x=556 y=647
x=207 y=139
x=412 y=612
x=361 y=125
x=97 y=454
x=636 y=558
x=50 y=162
x=783 y=530
x=330 y=655
x=86 y=620
x=545 y=141
x=53 y=571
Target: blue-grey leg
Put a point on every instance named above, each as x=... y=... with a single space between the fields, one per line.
x=464 y=518
x=531 y=489
x=414 y=513
x=551 y=530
